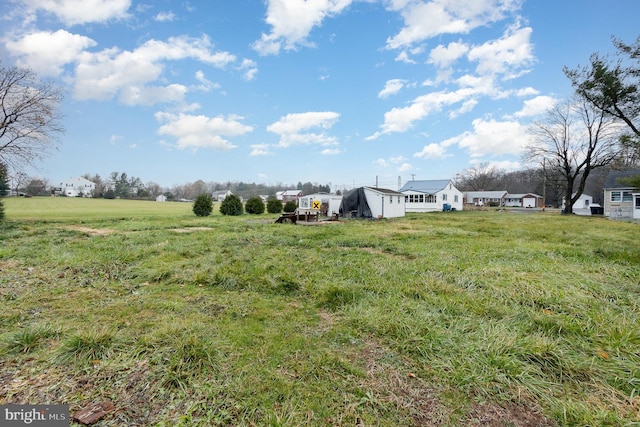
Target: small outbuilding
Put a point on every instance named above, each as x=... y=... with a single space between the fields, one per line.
x=325 y=203
x=370 y=202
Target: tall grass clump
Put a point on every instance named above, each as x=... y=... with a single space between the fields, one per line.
x=29 y=338
x=87 y=347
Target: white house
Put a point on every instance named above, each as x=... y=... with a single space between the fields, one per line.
x=288 y=195
x=583 y=205
x=636 y=205
x=78 y=187
x=161 y=198
x=431 y=195
x=325 y=203
x=369 y=202
x=485 y=198
x=219 y=196
x=618 y=196
x=527 y=200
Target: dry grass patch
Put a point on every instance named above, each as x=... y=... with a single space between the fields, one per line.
x=92 y=231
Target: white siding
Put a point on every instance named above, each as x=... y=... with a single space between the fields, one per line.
x=385 y=205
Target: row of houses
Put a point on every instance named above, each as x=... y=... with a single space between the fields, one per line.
x=621 y=200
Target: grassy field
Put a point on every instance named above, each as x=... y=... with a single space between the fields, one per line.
x=444 y=319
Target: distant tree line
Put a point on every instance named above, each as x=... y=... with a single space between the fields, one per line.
x=121 y=185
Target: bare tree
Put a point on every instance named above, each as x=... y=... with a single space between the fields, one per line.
x=480 y=177
x=575 y=139
x=29 y=117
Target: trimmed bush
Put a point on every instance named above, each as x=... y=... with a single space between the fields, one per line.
x=203 y=205
x=231 y=205
x=274 y=206
x=290 y=206
x=254 y=205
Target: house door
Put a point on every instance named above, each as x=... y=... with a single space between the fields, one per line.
x=636 y=205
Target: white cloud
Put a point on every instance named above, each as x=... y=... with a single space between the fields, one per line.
x=494 y=138
x=72 y=12
x=536 y=106
x=505 y=55
x=404 y=57
x=205 y=84
x=296 y=122
x=398 y=162
x=292 y=128
x=46 y=52
x=505 y=165
x=426 y=19
x=111 y=72
x=391 y=87
x=382 y=163
x=402 y=119
x=291 y=22
x=250 y=69
x=330 y=151
x=165 y=17
x=443 y=56
x=141 y=95
x=405 y=167
x=199 y=131
x=260 y=150
x=432 y=151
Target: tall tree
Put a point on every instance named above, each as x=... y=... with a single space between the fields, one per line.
x=29 y=117
x=576 y=138
x=613 y=86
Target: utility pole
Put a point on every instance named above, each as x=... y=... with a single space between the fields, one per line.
x=544 y=184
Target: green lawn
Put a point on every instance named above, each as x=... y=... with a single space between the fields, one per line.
x=444 y=319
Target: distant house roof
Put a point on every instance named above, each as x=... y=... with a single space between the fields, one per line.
x=384 y=190
x=522 y=195
x=291 y=192
x=485 y=194
x=78 y=181
x=614 y=176
x=426 y=186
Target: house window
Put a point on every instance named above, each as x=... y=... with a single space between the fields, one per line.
x=398 y=199
x=621 y=196
x=444 y=197
x=638 y=202
x=390 y=199
x=455 y=198
x=431 y=198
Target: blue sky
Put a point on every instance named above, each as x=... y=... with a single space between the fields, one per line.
x=280 y=91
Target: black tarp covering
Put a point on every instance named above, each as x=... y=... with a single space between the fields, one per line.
x=354 y=204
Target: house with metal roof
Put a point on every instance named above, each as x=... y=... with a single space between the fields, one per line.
x=431 y=196
x=485 y=198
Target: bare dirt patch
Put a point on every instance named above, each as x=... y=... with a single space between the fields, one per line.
x=191 y=229
x=93 y=231
x=402 y=389
x=506 y=415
